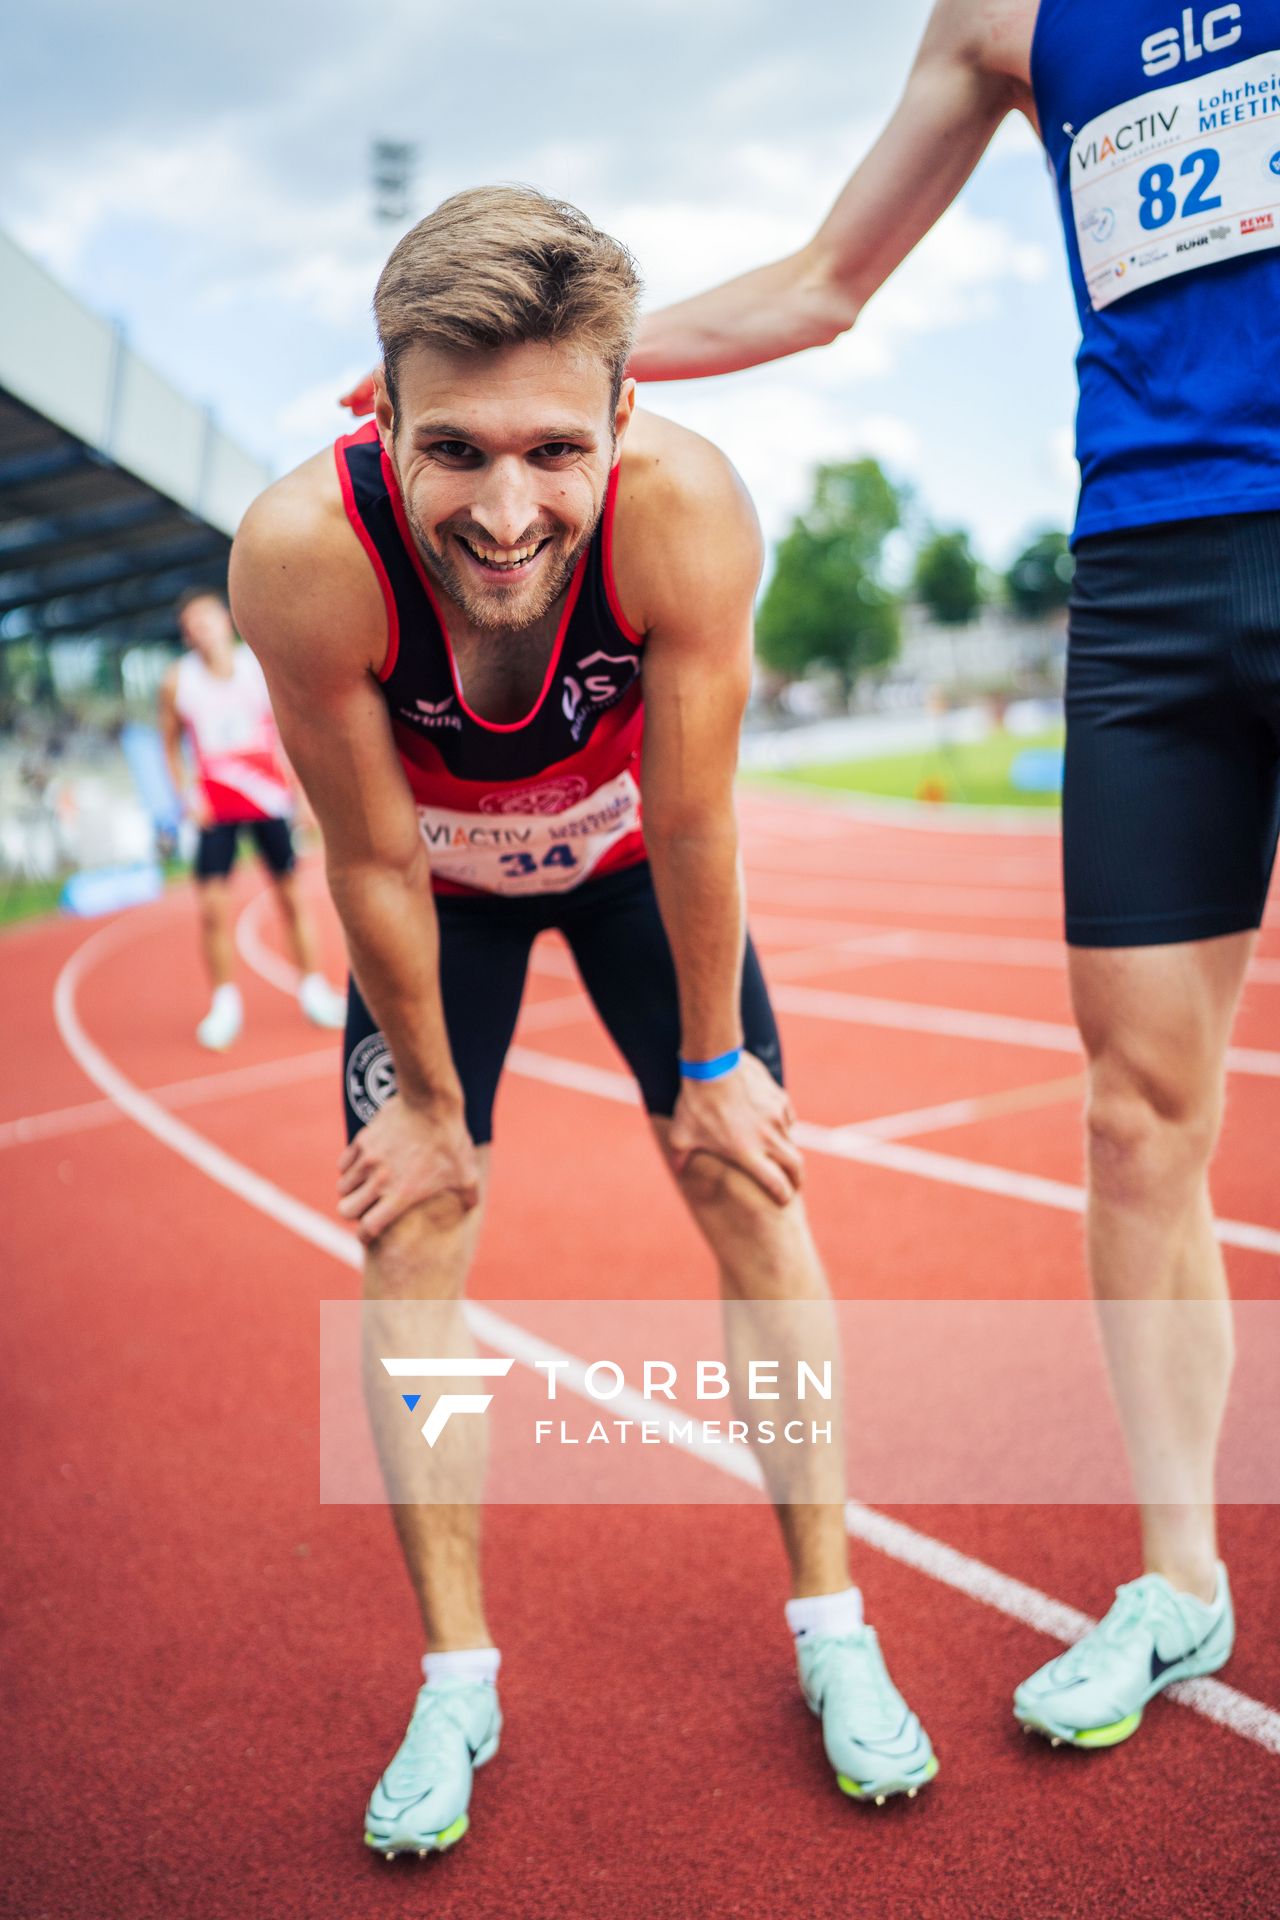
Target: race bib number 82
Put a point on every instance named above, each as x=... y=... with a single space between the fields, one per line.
x=1179 y=178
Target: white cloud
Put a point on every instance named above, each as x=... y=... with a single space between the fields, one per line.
x=206 y=178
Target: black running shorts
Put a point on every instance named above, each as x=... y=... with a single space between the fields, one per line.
x=217 y=847
x=1171 y=800
x=615 y=933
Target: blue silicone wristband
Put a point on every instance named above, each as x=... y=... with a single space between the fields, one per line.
x=711 y=1069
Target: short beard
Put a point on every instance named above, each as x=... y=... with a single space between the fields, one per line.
x=483 y=611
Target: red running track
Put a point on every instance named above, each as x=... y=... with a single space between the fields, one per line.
x=206 y=1669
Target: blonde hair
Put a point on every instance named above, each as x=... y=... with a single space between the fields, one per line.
x=497 y=266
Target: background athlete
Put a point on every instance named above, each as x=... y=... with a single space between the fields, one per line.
x=1162 y=124
x=467 y=618
x=215 y=702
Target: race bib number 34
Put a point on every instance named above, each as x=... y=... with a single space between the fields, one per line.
x=1178 y=179
x=521 y=852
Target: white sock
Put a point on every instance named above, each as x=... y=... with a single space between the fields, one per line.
x=227 y=995
x=825 y=1613
x=462 y=1663
x=309 y=982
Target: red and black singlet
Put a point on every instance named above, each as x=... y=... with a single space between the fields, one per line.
x=526 y=806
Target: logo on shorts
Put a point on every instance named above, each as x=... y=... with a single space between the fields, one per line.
x=549 y=796
x=371 y=1077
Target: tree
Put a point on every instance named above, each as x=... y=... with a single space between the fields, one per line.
x=827 y=603
x=1039 y=581
x=947 y=580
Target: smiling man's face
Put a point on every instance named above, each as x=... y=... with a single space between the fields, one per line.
x=503 y=460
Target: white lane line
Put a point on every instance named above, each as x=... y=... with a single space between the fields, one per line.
x=253 y=948
x=896 y=1156
x=564 y=1011
x=964 y=1113
x=58 y=1120
x=831 y=805
x=1237 y=1712
x=228 y=1084
x=944 y=901
x=1227 y=1706
x=961 y=1023
x=850 y=1143
x=918 y=943
x=883 y=869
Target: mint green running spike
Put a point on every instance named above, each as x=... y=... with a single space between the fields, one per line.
x=1093 y=1695
x=873 y=1740
x=420 y=1804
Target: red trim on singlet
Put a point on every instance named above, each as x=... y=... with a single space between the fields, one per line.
x=575 y=588
x=610 y=590
x=364 y=435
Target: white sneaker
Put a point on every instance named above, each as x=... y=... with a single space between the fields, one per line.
x=873 y=1740
x=1093 y=1695
x=221 y=1025
x=321 y=1003
x=420 y=1804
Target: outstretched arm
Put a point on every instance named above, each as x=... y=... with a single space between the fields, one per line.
x=319 y=640
x=951 y=107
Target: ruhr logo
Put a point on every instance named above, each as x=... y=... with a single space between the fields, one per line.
x=439 y=1367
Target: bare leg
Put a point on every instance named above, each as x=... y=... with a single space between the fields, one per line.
x=425 y=1256
x=299 y=934
x=215 y=931
x=1155 y=1023
x=765 y=1253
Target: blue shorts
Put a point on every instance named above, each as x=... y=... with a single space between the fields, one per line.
x=617 y=938
x=1171 y=796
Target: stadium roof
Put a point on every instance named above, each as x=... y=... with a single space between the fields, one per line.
x=116 y=491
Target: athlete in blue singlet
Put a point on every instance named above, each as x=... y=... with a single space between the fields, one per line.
x=1162 y=123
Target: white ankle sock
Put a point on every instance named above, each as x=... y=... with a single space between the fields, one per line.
x=308 y=981
x=825 y=1613
x=462 y=1663
x=227 y=995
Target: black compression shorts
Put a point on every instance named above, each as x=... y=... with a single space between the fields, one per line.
x=1171 y=800
x=616 y=936
x=216 y=850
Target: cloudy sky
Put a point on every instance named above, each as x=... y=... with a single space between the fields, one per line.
x=203 y=176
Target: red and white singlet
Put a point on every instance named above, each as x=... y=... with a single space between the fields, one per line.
x=233 y=736
x=520 y=807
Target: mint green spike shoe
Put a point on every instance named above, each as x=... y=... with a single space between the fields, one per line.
x=872 y=1739
x=1093 y=1695
x=420 y=1804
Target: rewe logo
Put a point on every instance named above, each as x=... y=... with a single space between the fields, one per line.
x=434 y=1367
x=1168 y=48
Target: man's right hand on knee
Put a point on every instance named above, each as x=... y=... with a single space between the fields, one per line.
x=407 y=1154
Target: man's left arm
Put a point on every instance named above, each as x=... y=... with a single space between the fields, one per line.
x=706 y=556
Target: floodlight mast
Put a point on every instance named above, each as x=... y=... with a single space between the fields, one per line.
x=393 y=164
